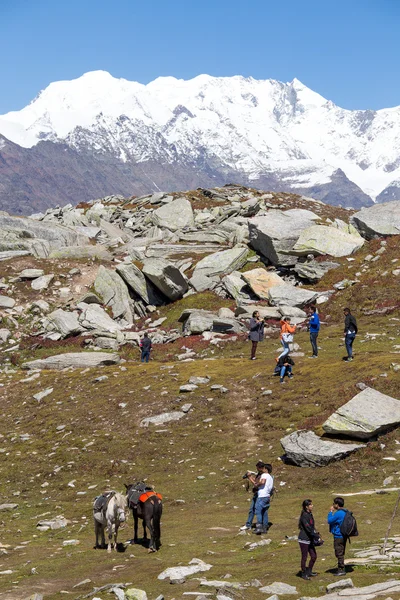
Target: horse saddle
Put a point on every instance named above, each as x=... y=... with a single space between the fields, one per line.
x=135 y=494
x=101 y=502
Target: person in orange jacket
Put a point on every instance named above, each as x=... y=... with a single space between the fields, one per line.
x=287 y=331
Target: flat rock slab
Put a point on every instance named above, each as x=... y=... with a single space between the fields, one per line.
x=320 y=239
x=6 y=302
x=290 y=295
x=367 y=592
x=189 y=387
x=378 y=220
x=313 y=270
x=342 y=584
x=369 y=413
x=31 y=273
x=198 y=380
x=222 y=263
x=195 y=566
x=305 y=449
x=8 y=506
x=79 y=360
x=162 y=418
x=279 y=588
x=42 y=283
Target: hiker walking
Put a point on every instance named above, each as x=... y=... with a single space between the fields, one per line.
x=335 y=520
x=287 y=331
x=264 y=485
x=256 y=333
x=313 y=326
x=307 y=537
x=350 y=332
x=146 y=347
x=252 y=509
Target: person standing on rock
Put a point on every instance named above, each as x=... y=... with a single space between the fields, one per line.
x=287 y=331
x=146 y=347
x=335 y=519
x=264 y=486
x=252 y=509
x=314 y=325
x=256 y=333
x=350 y=332
x=307 y=536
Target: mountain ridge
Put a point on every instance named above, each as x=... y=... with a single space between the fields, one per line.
x=207 y=130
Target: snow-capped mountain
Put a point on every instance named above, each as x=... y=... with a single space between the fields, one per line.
x=98 y=135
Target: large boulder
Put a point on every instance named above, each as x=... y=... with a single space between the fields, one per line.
x=223 y=262
x=378 y=220
x=320 y=239
x=367 y=414
x=274 y=235
x=236 y=286
x=94 y=317
x=290 y=295
x=175 y=215
x=166 y=277
x=305 y=449
x=196 y=321
x=261 y=281
x=64 y=322
x=79 y=360
x=114 y=293
x=142 y=287
x=313 y=270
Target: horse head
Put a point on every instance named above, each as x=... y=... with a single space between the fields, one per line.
x=120 y=507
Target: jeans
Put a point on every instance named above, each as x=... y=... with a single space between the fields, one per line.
x=313 y=340
x=252 y=511
x=285 y=349
x=145 y=355
x=349 y=339
x=285 y=371
x=305 y=550
x=339 y=545
x=262 y=506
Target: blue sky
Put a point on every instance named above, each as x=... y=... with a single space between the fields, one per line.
x=348 y=51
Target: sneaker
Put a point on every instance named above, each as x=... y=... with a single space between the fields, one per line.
x=281 y=380
x=313 y=356
x=291 y=375
x=340 y=573
x=348 y=359
x=253 y=358
x=244 y=528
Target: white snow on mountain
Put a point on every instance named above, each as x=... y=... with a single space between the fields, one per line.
x=249 y=125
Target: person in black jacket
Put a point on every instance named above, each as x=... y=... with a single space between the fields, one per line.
x=350 y=332
x=306 y=539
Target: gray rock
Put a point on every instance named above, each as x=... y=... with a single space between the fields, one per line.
x=65 y=322
x=56 y=523
x=186 y=407
x=189 y=387
x=196 y=321
x=223 y=262
x=201 y=283
x=293 y=312
x=114 y=231
x=40 y=395
x=195 y=566
x=174 y=215
x=8 y=506
x=162 y=418
x=314 y=271
x=42 y=305
x=199 y=380
x=6 y=302
x=135 y=594
x=320 y=239
x=378 y=220
x=261 y=281
x=94 y=317
x=245 y=311
x=290 y=295
x=368 y=414
x=274 y=235
x=31 y=273
x=79 y=252
x=139 y=284
x=7 y=254
x=226 y=313
x=236 y=286
x=279 y=589
x=107 y=343
x=4 y=335
x=42 y=283
x=166 y=277
x=342 y=584
x=305 y=449
x=367 y=592
x=90 y=298
x=114 y=293
x=79 y=360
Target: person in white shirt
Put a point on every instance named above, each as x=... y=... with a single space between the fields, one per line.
x=265 y=484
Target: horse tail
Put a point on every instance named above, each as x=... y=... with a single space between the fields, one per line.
x=157 y=512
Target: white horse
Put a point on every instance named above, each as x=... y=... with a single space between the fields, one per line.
x=110 y=513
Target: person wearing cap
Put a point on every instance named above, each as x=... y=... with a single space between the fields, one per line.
x=252 y=509
x=264 y=485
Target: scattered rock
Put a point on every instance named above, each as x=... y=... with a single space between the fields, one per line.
x=65 y=322
x=174 y=215
x=305 y=449
x=42 y=283
x=279 y=588
x=195 y=566
x=198 y=380
x=79 y=360
x=162 y=418
x=6 y=302
x=8 y=506
x=189 y=387
x=342 y=584
x=135 y=594
x=40 y=395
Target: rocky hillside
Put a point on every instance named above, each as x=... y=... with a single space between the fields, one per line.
x=81 y=414
x=204 y=132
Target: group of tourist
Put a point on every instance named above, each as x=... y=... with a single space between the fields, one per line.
x=309 y=538
x=284 y=362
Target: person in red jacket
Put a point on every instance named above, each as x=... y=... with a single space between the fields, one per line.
x=287 y=331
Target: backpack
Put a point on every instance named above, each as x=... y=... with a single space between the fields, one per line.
x=348 y=527
x=287 y=337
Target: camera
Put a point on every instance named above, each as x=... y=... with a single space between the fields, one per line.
x=245 y=476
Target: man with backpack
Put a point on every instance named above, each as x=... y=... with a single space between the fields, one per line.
x=350 y=332
x=342 y=525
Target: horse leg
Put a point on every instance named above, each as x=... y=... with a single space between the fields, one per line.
x=144 y=530
x=110 y=536
x=96 y=533
x=135 y=527
x=149 y=525
x=116 y=534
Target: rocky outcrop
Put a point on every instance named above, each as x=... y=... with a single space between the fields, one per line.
x=223 y=262
x=332 y=241
x=138 y=283
x=366 y=415
x=78 y=360
x=114 y=293
x=378 y=220
x=166 y=277
x=174 y=215
x=305 y=449
x=275 y=234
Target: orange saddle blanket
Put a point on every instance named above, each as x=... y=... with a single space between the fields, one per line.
x=147 y=495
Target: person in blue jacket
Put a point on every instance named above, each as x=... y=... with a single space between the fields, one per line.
x=335 y=520
x=314 y=325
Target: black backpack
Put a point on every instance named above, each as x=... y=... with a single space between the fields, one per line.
x=348 y=527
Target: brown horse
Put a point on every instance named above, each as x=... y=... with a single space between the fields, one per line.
x=145 y=505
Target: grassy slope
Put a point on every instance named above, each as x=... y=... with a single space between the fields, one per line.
x=245 y=426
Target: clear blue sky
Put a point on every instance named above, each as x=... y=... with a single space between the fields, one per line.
x=347 y=50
